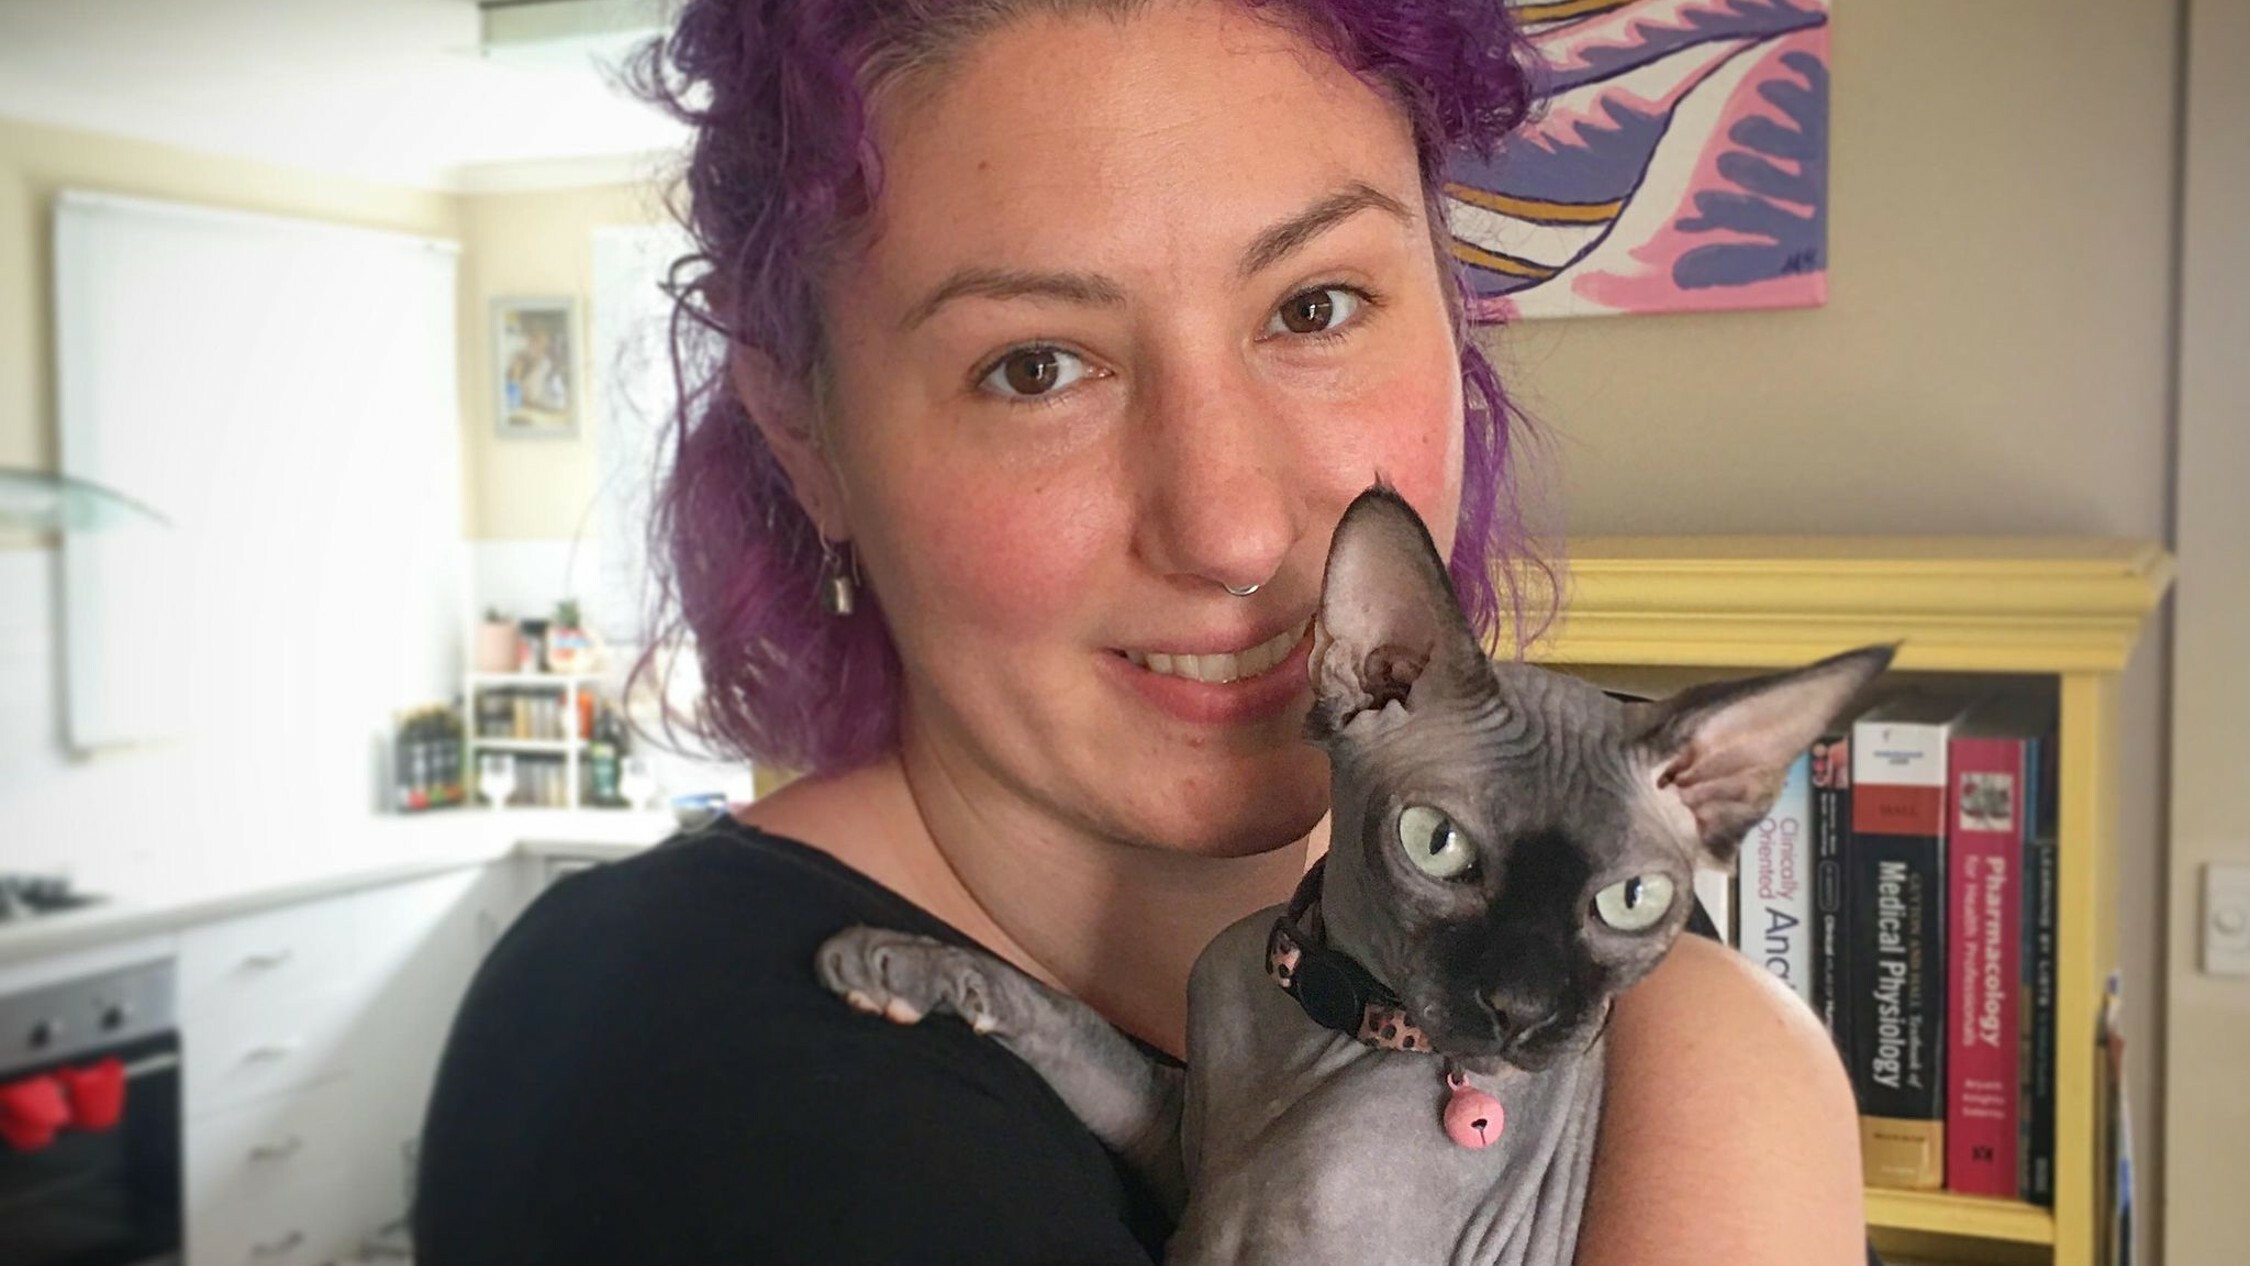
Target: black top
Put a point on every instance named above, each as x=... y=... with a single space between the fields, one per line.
x=645 y=1070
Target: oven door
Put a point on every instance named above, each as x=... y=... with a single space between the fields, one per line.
x=108 y=1197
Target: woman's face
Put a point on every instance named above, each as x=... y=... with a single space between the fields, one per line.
x=1146 y=304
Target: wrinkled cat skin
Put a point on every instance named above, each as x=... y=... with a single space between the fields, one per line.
x=1557 y=873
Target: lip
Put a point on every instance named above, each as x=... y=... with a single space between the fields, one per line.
x=1222 y=644
x=1249 y=699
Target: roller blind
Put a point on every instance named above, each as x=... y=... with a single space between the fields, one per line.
x=284 y=390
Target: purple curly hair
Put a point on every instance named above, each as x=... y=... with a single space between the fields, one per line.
x=783 y=169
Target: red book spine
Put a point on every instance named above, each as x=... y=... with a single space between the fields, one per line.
x=1984 y=948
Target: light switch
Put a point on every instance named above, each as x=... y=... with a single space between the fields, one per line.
x=2226 y=920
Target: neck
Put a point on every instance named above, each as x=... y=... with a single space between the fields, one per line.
x=1116 y=923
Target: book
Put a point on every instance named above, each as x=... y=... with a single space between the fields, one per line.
x=2037 y=1132
x=2117 y=1216
x=1715 y=890
x=1896 y=877
x=1991 y=771
x=1773 y=905
x=1831 y=816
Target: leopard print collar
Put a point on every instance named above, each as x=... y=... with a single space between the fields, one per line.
x=1333 y=988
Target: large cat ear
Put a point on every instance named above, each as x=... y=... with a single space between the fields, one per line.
x=1723 y=749
x=1389 y=626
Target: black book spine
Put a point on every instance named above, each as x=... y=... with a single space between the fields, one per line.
x=1897 y=974
x=2038 y=1093
x=1831 y=822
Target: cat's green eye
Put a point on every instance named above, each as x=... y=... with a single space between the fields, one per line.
x=1635 y=905
x=1436 y=847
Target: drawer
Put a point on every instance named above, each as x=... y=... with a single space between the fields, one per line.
x=244 y=1054
x=300 y=1223
x=262 y=957
x=260 y=1150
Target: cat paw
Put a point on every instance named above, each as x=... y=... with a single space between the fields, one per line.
x=903 y=977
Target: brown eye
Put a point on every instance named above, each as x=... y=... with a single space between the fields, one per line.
x=1314 y=311
x=1309 y=312
x=1034 y=371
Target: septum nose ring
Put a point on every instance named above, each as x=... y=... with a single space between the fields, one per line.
x=1243 y=592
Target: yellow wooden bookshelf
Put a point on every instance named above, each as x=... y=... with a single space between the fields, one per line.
x=2038 y=614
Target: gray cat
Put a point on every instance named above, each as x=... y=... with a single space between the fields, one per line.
x=1405 y=1063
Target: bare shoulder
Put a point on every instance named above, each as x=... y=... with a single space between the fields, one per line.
x=1717 y=1071
x=1710 y=1011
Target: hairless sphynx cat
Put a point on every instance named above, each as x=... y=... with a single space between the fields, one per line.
x=1405 y=1063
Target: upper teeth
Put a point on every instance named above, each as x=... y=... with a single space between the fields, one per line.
x=1228 y=667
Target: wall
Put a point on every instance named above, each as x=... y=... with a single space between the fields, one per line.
x=35 y=161
x=41 y=783
x=530 y=244
x=2208 y=1115
x=513 y=244
x=524 y=501
x=1994 y=357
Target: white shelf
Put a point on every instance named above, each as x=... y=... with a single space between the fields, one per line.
x=557 y=746
x=571 y=749
x=558 y=681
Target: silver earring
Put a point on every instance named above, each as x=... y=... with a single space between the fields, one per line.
x=836 y=589
x=1241 y=593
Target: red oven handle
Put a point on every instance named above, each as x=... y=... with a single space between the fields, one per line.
x=96 y=1093
x=31 y=1111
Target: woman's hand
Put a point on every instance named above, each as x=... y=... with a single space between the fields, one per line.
x=1729 y=1133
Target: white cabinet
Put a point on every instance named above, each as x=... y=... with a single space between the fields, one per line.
x=243 y=1054
x=311 y=1036
x=257 y=1151
x=243 y=964
x=266 y=1180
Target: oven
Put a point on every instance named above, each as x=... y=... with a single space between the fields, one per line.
x=90 y=1121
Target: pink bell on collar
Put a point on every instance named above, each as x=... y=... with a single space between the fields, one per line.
x=1473 y=1118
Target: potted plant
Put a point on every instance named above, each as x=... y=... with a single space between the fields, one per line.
x=569 y=649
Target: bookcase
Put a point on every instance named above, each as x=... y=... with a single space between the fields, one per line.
x=567 y=747
x=1655 y=613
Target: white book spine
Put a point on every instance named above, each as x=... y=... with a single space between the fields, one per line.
x=1715 y=890
x=1775 y=876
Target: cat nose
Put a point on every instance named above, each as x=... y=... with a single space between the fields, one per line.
x=1517 y=1016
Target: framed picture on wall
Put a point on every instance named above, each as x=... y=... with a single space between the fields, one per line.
x=535 y=353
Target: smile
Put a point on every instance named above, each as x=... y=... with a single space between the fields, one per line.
x=1225 y=666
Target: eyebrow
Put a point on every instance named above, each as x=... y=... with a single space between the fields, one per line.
x=1090 y=290
x=1093 y=290
x=1288 y=237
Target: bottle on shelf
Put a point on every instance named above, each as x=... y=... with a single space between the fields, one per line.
x=402 y=762
x=601 y=759
x=426 y=756
x=455 y=753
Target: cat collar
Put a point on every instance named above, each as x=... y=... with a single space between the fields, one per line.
x=1340 y=994
x=1333 y=988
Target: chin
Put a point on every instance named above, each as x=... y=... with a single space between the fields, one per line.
x=1236 y=819
x=1239 y=807
x=1255 y=828
x=1480 y=1053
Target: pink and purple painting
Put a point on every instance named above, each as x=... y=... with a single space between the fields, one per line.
x=1679 y=163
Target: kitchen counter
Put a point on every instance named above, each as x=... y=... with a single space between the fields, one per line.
x=374 y=851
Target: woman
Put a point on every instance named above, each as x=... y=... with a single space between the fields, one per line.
x=1051 y=372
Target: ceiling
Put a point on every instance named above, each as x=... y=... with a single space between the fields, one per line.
x=388 y=90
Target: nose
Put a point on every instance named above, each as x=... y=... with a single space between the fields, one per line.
x=1518 y=1015
x=1221 y=477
